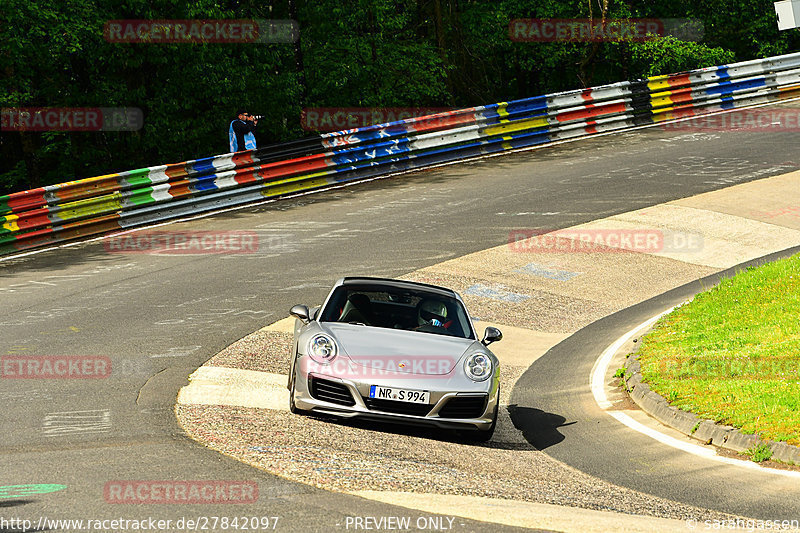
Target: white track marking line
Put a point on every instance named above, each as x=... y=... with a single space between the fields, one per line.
x=597 y=382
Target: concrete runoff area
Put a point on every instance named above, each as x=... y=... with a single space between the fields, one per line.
x=537 y=297
x=218 y=385
x=776 y=204
x=723 y=240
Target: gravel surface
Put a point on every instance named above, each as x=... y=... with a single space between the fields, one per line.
x=264 y=351
x=359 y=455
x=349 y=456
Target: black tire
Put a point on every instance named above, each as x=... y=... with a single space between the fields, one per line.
x=292 y=407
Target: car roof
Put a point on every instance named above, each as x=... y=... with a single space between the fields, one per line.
x=398 y=284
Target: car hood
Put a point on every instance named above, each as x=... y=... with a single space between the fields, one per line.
x=398 y=350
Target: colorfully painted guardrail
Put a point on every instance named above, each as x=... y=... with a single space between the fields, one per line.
x=77 y=209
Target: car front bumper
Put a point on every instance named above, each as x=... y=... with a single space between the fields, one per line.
x=455 y=402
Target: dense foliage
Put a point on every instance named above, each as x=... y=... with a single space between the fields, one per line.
x=351 y=53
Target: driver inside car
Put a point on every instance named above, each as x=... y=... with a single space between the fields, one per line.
x=432 y=313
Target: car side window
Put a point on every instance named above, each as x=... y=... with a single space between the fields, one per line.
x=333 y=311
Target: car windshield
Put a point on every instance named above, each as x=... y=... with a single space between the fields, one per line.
x=398 y=308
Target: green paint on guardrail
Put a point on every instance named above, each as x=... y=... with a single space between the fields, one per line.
x=138 y=177
x=142 y=196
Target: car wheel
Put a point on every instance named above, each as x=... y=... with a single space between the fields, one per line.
x=292 y=407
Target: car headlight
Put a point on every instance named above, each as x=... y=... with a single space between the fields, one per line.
x=478 y=366
x=322 y=349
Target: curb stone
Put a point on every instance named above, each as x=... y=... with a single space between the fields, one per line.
x=706 y=431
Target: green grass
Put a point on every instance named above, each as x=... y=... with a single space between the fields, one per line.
x=759 y=453
x=733 y=353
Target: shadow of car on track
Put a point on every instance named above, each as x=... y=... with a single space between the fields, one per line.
x=540 y=428
x=14 y=503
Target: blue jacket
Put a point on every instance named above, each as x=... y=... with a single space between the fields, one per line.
x=240 y=136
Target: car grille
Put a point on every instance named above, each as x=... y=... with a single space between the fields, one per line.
x=400 y=408
x=464 y=407
x=330 y=391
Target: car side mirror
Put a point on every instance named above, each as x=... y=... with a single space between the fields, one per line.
x=491 y=335
x=301 y=312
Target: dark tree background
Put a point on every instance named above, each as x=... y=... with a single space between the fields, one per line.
x=351 y=53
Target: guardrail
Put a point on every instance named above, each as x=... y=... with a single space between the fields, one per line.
x=77 y=209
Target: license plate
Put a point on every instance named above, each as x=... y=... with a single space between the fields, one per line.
x=399 y=395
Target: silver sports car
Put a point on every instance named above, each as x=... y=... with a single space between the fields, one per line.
x=398 y=351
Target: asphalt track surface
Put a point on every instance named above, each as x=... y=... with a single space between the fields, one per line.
x=158 y=317
x=568 y=425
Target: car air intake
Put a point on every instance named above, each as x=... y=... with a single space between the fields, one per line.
x=330 y=391
x=464 y=407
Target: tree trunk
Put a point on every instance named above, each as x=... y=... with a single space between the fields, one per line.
x=298 y=54
x=585 y=78
x=31 y=161
x=442 y=46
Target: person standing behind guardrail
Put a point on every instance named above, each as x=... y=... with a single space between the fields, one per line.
x=241 y=132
